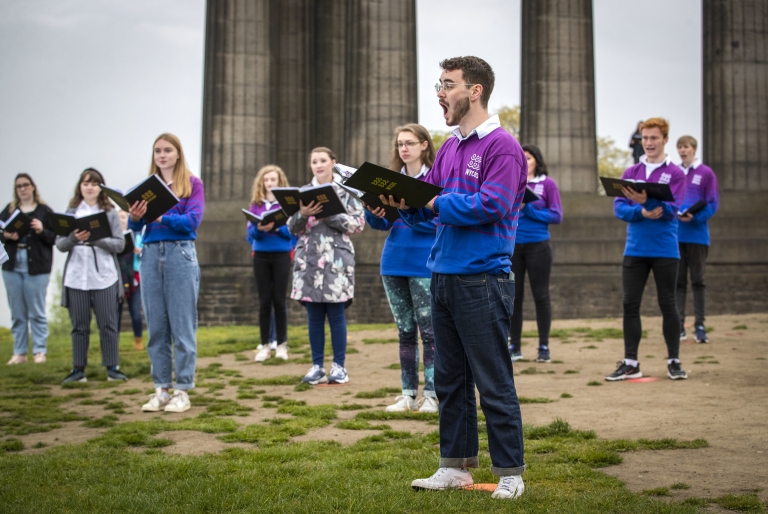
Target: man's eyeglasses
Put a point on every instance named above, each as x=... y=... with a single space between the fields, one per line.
x=23 y=186
x=447 y=86
x=403 y=144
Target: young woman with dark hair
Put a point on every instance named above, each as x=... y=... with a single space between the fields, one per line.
x=405 y=275
x=91 y=279
x=27 y=271
x=533 y=254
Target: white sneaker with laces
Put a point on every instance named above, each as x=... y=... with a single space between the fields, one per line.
x=338 y=375
x=157 y=401
x=39 y=358
x=428 y=404
x=403 y=404
x=262 y=353
x=17 y=359
x=510 y=487
x=281 y=352
x=445 y=478
x=179 y=402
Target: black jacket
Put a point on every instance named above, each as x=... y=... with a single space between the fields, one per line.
x=39 y=246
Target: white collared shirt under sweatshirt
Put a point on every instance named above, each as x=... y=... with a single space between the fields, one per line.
x=82 y=271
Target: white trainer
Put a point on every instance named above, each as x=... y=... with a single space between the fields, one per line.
x=273 y=345
x=179 y=402
x=262 y=353
x=510 y=487
x=445 y=478
x=39 y=358
x=281 y=352
x=403 y=404
x=17 y=359
x=157 y=401
x=428 y=404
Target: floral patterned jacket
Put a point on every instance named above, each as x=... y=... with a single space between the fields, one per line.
x=324 y=263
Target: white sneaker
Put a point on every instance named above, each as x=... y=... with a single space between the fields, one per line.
x=445 y=478
x=428 y=404
x=281 y=352
x=403 y=404
x=18 y=359
x=179 y=402
x=39 y=358
x=509 y=488
x=273 y=345
x=157 y=401
x=338 y=375
x=262 y=353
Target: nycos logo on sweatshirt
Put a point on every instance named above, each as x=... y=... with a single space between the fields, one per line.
x=696 y=180
x=473 y=166
x=665 y=178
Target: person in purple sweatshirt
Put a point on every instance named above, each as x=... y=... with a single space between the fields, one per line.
x=533 y=254
x=170 y=277
x=651 y=246
x=271 y=262
x=693 y=233
x=405 y=275
x=483 y=173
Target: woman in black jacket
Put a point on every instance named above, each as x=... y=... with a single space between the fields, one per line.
x=26 y=273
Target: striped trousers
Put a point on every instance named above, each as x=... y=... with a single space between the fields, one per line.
x=103 y=302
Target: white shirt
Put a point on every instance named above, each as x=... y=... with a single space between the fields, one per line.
x=695 y=164
x=482 y=130
x=423 y=171
x=650 y=167
x=81 y=268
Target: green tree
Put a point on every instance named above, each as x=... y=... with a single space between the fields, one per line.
x=611 y=160
x=510 y=119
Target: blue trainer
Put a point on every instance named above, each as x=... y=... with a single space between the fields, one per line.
x=315 y=375
x=701 y=334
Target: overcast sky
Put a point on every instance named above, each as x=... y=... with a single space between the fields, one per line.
x=93 y=82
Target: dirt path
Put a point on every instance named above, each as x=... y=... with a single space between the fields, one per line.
x=725 y=401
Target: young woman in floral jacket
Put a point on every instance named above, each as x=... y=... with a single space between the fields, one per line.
x=324 y=269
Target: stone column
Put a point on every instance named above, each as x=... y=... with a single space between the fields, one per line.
x=736 y=92
x=558 y=90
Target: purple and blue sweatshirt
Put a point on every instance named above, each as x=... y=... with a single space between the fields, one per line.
x=406 y=249
x=483 y=177
x=701 y=184
x=647 y=237
x=180 y=222
x=535 y=217
x=280 y=240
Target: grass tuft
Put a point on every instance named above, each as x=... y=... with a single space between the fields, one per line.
x=382 y=392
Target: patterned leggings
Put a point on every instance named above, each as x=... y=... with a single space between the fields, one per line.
x=409 y=300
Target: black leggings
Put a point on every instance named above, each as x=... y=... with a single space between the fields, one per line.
x=536 y=258
x=272 y=271
x=634 y=276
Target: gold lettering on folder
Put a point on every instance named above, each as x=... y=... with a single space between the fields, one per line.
x=148 y=196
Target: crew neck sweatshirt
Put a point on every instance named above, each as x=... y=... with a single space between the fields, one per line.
x=701 y=184
x=535 y=217
x=180 y=222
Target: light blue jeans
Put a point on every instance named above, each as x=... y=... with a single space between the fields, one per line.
x=26 y=297
x=170 y=282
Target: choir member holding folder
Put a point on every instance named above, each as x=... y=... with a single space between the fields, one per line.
x=651 y=245
x=170 y=276
x=324 y=268
x=91 y=279
x=272 y=247
x=405 y=275
x=28 y=268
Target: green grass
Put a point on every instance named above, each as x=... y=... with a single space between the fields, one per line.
x=379 y=393
x=381 y=340
x=739 y=327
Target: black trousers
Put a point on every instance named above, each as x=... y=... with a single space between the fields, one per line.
x=536 y=259
x=272 y=271
x=634 y=276
x=103 y=302
x=693 y=259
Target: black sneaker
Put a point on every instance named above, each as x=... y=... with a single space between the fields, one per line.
x=683 y=335
x=115 y=374
x=675 y=372
x=543 y=355
x=76 y=375
x=624 y=371
x=700 y=335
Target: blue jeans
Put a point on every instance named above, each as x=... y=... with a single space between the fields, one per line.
x=470 y=317
x=316 y=313
x=26 y=298
x=170 y=282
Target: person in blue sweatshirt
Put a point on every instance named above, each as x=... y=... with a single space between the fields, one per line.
x=405 y=275
x=651 y=246
x=533 y=254
x=693 y=233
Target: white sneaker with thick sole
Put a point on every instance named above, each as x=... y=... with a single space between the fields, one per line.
x=179 y=402
x=281 y=352
x=428 y=404
x=157 y=401
x=262 y=353
x=509 y=488
x=445 y=478
x=403 y=404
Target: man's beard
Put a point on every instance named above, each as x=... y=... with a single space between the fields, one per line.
x=461 y=110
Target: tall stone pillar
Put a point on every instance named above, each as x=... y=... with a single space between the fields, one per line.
x=736 y=92
x=558 y=90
